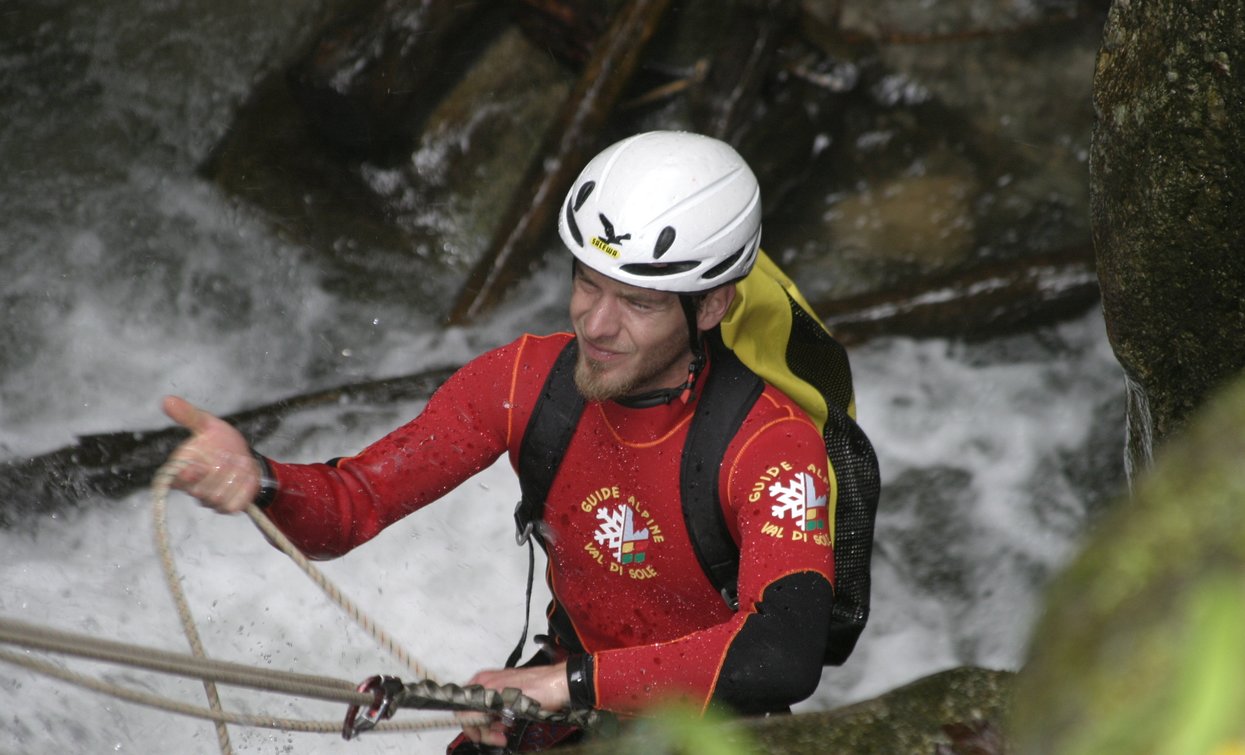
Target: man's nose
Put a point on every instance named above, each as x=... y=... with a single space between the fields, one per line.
x=601 y=320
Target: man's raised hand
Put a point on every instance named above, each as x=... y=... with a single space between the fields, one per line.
x=216 y=464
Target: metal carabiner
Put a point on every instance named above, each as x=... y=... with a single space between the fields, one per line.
x=523 y=523
x=385 y=690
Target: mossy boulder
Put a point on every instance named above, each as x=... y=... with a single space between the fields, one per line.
x=949 y=712
x=1140 y=649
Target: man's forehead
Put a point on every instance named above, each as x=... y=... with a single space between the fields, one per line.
x=622 y=289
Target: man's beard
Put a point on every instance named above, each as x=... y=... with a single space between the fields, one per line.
x=597 y=384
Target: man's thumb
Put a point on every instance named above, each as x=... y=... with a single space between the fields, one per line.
x=186 y=414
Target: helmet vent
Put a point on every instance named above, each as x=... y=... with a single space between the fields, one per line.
x=582 y=196
x=572 y=226
x=657 y=271
x=664 y=240
x=724 y=265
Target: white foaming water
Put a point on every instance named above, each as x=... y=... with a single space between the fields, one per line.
x=126 y=278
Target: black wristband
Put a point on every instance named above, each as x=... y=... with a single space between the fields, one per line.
x=267 y=482
x=581 y=681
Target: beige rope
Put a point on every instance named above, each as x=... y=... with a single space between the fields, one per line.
x=378 y=635
x=163 y=661
x=240 y=719
x=211 y=671
x=160 y=485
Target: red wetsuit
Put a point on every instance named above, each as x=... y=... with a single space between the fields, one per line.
x=631 y=601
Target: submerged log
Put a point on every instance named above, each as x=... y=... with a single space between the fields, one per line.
x=116 y=464
x=983 y=301
x=516 y=245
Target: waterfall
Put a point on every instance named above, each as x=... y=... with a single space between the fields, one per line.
x=1139 y=430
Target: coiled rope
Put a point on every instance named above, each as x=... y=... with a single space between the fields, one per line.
x=161 y=484
x=428 y=693
x=160 y=490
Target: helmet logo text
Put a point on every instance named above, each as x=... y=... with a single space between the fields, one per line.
x=599 y=244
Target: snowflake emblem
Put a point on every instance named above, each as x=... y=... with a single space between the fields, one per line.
x=798 y=499
x=618 y=533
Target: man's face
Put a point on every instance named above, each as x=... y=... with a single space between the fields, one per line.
x=631 y=339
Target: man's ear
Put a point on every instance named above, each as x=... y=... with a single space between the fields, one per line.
x=715 y=306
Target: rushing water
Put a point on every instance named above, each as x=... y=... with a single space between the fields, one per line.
x=127 y=277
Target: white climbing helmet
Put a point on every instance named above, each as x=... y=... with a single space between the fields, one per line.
x=665 y=210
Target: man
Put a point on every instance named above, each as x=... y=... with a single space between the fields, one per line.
x=662 y=226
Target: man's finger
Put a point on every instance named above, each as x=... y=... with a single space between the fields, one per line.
x=186 y=414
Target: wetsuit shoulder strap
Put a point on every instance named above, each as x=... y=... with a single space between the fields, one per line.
x=728 y=395
x=555 y=416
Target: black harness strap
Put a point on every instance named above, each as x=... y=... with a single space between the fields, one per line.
x=549 y=430
x=729 y=393
x=548 y=433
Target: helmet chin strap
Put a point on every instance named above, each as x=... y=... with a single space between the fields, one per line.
x=683 y=392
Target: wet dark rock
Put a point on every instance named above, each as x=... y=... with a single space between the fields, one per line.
x=566 y=28
x=567 y=144
x=961 y=148
x=893 y=163
x=371 y=75
x=270 y=161
x=403 y=232
x=1168 y=190
x=754 y=31
x=466 y=166
x=915 y=718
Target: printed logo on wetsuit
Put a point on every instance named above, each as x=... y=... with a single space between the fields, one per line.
x=624 y=534
x=796 y=508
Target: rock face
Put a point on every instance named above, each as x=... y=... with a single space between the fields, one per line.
x=1168 y=192
x=1140 y=649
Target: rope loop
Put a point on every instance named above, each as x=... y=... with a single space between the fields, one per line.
x=427 y=694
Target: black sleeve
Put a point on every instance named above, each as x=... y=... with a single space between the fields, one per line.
x=776 y=658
